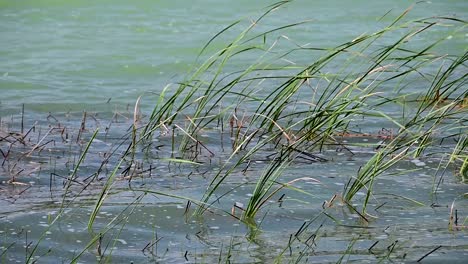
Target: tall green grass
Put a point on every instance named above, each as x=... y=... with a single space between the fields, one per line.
x=300 y=109
x=283 y=111
x=297 y=109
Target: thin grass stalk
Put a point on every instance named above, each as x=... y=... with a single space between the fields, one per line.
x=226 y=171
x=63 y=205
x=75 y=170
x=266 y=181
x=102 y=196
x=96 y=236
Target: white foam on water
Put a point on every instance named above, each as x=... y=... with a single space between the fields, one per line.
x=418 y=163
x=123 y=242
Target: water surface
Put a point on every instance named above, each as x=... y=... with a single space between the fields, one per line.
x=61 y=58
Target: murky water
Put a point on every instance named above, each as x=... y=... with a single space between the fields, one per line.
x=60 y=58
x=408 y=218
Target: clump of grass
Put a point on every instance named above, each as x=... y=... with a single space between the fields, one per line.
x=305 y=107
x=292 y=111
x=288 y=111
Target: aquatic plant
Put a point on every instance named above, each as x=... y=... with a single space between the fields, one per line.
x=279 y=113
x=300 y=110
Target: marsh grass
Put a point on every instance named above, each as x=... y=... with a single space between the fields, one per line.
x=286 y=112
x=298 y=110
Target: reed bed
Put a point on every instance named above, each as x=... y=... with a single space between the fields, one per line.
x=298 y=110
x=283 y=112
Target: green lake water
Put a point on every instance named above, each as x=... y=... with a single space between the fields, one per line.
x=58 y=56
x=66 y=57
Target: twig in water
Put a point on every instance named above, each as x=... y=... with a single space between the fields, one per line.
x=22 y=119
x=39 y=143
x=430 y=252
x=195 y=140
x=373 y=245
x=82 y=127
x=99 y=246
x=151 y=244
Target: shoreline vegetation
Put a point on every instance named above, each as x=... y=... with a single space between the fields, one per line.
x=390 y=93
